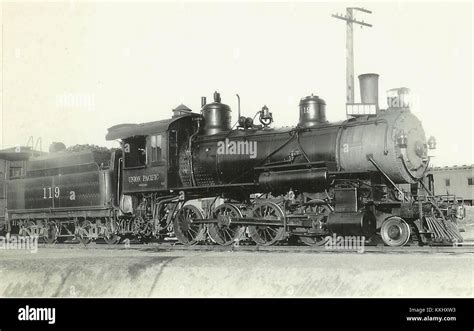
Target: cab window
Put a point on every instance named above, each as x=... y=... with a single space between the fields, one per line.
x=15 y=172
x=156 y=148
x=134 y=152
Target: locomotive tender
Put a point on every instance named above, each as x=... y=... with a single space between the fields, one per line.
x=195 y=176
x=61 y=193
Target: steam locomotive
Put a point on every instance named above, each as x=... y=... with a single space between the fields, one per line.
x=198 y=178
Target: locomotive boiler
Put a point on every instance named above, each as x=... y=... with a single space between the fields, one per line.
x=392 y=140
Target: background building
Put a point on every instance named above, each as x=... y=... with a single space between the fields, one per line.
x=456 y=180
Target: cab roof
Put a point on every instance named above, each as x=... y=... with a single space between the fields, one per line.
x=128 y=130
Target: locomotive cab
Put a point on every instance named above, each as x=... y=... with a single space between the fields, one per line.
x=144 y=162
x=150 y=152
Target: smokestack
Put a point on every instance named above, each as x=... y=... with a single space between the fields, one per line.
x=369 y=89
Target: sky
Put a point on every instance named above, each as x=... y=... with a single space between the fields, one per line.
x=70 y=70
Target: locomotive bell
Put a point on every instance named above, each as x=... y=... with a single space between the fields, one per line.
x=266 y=118
x=217 y=117
x=312 y=111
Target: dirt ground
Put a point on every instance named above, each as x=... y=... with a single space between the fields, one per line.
x=152 y=271
x=147 y=271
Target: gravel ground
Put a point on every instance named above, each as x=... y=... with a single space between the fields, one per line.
x=147 y=271
x=468 y=235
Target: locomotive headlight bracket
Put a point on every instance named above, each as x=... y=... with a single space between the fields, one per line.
x=420 y=149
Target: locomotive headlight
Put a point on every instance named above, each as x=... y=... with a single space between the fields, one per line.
x=432 y=143
x=431 y=146
x=402 y=140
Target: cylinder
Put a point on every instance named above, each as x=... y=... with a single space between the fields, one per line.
x=312 y=111
x=362 y=223
x=308 y=180
x=369 y=89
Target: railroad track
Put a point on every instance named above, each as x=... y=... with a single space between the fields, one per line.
x=467 y=247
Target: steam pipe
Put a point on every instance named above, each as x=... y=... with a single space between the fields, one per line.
x=190 y=146
x=238 y=107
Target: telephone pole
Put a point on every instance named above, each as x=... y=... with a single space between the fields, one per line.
x=2 y=133
x=350 y=20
